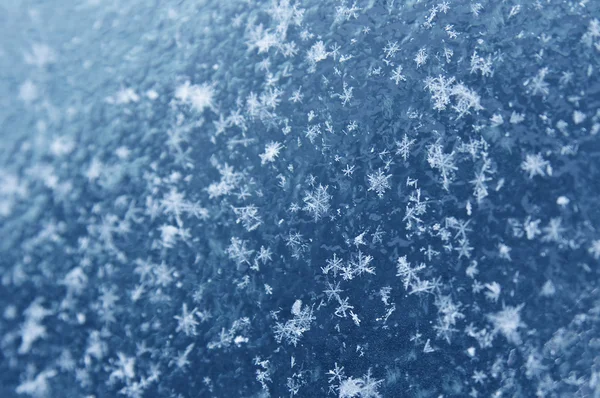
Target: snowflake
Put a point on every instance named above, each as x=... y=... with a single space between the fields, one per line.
x=507 y=322
x=261 y=39
x=414 y=209
x=285 y=14
x=40 y=55
x=264 y=255
x=379 y=182
x=553 y=231
x=493 y=291
x=451 y=32
x=295 y=241
x=407 y=273
x=297 y=96
x=187 y=321
x=421 y=57
x=347 y=96
x=391 y=49
x=312 y=132
x=444 y=162
x=476 y=9
x=37 y=386
x=404 y=146
x=317 y=202
x=293 y=329
x=334 y=264
x=440 y=89
x=28 y=92
x=229 y=181
x=479 y=376
x=537 y=85
x=336 y=373
x=349 y=170
x=238 y=252
x=175 y=205
x=124 y=368
x=248 y=216
x=535 y=164
x=397 y=75
x=363 y=387
x=340 y=311
x=594 y=249
x=163 y=275
x=198 y=97
x=345 y=13
x=124 y=96
x=272 y=150
x=333 y=292
x=316 y=53
x=350 y=387
x=467 y=99
x=360 y=264
x=483 y=65
x=270 y=98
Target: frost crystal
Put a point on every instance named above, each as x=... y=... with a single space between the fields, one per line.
x=317 y=53
x=316 y=202
x=535 y=164
x=362 y=387
x=397 y=75
x=507 y=322
x=293 y=329
x=270 y=198
x=272 y=150
x=379 y=182
x=199 y=97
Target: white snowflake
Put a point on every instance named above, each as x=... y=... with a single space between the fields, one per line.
x=535 y=164
x=391 y=49
x=248 y=216
x=186 y=322
x=594 y=249
x=379 y=182
x=363 y=387
x=199 y=97
x=480 y=64
x=238 y=252
x=507 y=322
x=441 y=89
x=316 y=53
x=444 y=162
x=397 y=75
x=537 y=85
x=466 y=99
x=404 y=147
x=317 y=202
x=272 y=150
x=421 y=57
x=347 y=95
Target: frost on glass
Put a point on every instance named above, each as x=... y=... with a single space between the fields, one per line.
x=280 y=198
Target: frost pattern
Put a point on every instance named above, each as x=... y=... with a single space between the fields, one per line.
x=295 y=198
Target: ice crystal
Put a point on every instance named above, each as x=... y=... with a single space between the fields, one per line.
x=379 y=182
